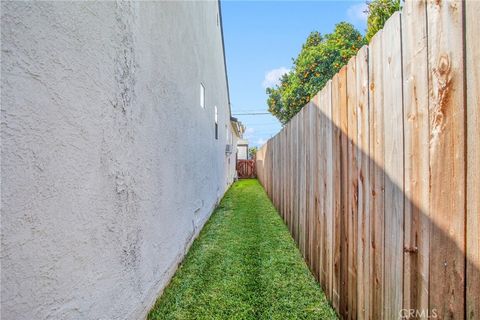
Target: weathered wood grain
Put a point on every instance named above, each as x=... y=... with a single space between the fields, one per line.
x=344 y=216
x=322 y=146
x=290 y=176
x=330 y=189
x=352 y=188
x=308 y=140
x=416 y=137
x=447 y=158
x=472 y=33
x=362 y=158
x=393 y=167
x=377 y=176
x=316 y=190
x=303 y=199
x=338 y=85
x=295 y=178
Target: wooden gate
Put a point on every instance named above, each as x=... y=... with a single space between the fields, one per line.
x=246 y=169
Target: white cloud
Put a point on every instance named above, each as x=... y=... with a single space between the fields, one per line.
x=272 y=77
x=249 y=133
x=357 y=12
x=261 y=141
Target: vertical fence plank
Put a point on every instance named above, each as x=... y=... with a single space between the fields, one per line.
x=298 y=177
x=343 y=114
x=417 y=175
x=307 y=139
x=321 y=187
x=295 y=178
x=377 y=178
x=279 y=171
x=352 y=188
x=284 y=172
x=311 y=183
x=362 y=158
x=311 y=188
x=393 y=167
x=316 y=190
x=329 y=186
x=290 y=175
x=272 y=178
x=447 y=157
x=472 y=24
x=259 y=164
x=338 y=84
x=302 y=181
x=344 y=169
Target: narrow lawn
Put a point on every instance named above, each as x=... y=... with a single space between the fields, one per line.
x=244 y=265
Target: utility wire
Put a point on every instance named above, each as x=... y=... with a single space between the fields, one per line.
x=251 y=113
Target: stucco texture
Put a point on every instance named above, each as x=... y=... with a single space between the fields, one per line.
x=110 y=167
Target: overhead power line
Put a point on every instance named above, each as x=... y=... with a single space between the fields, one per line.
x=251 y=113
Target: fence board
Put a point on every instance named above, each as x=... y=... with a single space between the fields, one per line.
x=308 y=184
x=344 y=217
x=283 y=172
x=415 y=92
x=377 y=178
x=329 y=187
x=472 y=24
x=393 y=167
x=338 y=84
x=316 y=210
x=352 y=188
x=303 y=198
x=447 y=157
x=362 y=157
x=312 y=203
x=321 y=188
x=289 y=176
x=312 y=176
x=294 y=177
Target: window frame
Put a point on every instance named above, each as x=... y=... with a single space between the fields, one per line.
x=202 y=95
x=216 y=122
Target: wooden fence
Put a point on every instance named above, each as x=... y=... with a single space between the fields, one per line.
x=378 y=176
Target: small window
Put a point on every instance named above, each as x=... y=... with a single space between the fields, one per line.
x=202 y=95
x=216 y=123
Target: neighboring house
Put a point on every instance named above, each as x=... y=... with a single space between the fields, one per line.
x=113 y=157
x=237 y=130
x=242 y=147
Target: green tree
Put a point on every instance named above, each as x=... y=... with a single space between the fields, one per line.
x=319 y=60
x=378 y=13
x=252 y=152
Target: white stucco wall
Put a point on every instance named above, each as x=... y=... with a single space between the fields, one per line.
x=109 y=164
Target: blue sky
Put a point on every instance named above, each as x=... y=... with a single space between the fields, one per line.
x=261 y=38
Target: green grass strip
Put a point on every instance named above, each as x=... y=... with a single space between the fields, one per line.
x=244 y=265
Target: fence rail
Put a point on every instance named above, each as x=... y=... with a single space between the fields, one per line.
x=378 y=176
